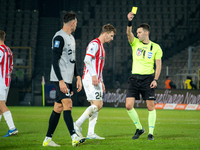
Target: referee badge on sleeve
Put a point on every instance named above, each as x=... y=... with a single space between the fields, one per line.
x=56 y=44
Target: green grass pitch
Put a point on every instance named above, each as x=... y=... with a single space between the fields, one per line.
x=175 y=129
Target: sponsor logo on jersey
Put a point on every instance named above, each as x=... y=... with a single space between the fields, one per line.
x=139 y=52
x=69 y=52
x=57 y=43
x=72 y=61
x=149 y=54
x=145 y=47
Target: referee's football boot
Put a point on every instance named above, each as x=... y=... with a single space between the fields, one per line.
x=78 y=130
x=11 y=132
x=150 y=137
x=78 y=140
x=49 y=142
x=138 y=133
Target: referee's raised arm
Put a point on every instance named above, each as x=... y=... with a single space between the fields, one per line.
x=129 y=27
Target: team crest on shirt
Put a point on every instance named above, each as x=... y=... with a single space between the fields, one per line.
x=149 y=54
x=139 y=52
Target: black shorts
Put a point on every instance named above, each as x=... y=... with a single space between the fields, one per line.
x=60 y=95
x=140 y=84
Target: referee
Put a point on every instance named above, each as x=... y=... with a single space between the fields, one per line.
x=143 y=79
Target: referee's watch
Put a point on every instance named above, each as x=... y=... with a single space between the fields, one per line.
x=155 y=80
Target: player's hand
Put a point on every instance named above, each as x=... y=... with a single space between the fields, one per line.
x=63 y=87
x=130 y=16
x=103 y=86
x=78 y=84
x=95 y=81
x=153 y=84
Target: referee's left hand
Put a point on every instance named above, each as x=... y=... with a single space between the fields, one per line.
x=153 y=84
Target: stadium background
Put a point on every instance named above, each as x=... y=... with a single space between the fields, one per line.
x=30 y=26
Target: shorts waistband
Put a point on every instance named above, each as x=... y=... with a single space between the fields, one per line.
x=143 y=75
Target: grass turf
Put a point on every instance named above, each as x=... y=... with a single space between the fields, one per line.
x=175 y=129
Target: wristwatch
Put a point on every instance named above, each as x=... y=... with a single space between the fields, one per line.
x=155 y=80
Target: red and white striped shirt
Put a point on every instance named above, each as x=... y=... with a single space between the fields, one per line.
x=96 y=50
x=6 y=62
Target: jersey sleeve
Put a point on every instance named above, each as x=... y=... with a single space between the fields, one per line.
x=76 y=72
x=58 y=44
x=159 y=53
x=134 y=41
x=1 y=56
x=88 y=63
x=92 y=49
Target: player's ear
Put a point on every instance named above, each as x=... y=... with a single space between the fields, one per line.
x=146 y=33
x=72 y=22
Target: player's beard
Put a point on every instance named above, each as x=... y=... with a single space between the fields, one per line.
x=141 y=39
x=73 y=29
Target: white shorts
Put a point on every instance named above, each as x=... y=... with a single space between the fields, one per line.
x=92 y=92
x=4 y=93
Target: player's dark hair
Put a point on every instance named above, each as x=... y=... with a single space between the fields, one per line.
x=108 y=28
x=69 y=16
x=2 y=35
x=167 y=77
x=145 y=26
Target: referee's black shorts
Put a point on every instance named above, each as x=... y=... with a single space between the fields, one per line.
x=140 y=84
x=60 y=95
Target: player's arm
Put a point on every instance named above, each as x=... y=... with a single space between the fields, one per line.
x=157 y=73
x=92 y=72
x=129 y=32
x=158 y=68
x=91 y=52
x=58 y=44
x=78 y=77
x=103 y=85
x=57 y=52
x=1 y=55
x=12 y=65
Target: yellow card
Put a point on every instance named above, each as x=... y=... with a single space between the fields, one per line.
x=134 y=10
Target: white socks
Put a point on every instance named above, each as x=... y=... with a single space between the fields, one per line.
x=73 y=136
x=87 y=113
x=47 y=138
x=9 y=120
x=92 y=123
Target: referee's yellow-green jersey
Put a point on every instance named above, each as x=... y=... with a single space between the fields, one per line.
x=144 y=56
